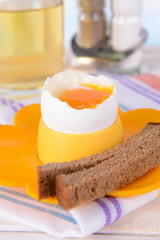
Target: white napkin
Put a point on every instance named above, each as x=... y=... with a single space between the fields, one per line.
x=78 y=222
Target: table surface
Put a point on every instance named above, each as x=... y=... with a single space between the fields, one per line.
x=142 y=224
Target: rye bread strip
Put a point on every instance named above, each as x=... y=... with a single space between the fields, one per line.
x=46 y=173
x=142 y=153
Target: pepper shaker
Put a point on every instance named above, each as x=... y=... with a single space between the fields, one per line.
x=92 y=23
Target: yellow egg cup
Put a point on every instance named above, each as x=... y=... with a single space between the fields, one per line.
x=59 y=147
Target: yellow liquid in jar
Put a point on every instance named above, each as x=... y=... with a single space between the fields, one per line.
x=31 y=46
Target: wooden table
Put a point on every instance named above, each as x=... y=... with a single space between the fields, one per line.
x=142 y=224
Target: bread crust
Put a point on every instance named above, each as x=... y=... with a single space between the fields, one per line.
x=46 y=173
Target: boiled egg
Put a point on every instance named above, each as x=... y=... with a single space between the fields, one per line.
x=78 y=103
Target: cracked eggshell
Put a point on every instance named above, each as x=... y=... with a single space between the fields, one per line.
x=60 y=117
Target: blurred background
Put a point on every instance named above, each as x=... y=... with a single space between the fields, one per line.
x=150 y=18
x=34 y=34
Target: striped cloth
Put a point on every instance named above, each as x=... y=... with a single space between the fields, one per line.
x=134 y=92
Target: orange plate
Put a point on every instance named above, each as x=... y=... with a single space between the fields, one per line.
x=19 y=160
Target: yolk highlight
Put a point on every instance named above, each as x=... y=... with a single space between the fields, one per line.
x=81 y=98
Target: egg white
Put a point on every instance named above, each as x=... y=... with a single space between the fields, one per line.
x=61 y=117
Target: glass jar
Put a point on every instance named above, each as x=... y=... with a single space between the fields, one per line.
x=31 y=42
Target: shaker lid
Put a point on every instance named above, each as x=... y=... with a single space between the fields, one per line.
x=91 y=5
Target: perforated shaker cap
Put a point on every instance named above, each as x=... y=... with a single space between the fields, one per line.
x=91 y=5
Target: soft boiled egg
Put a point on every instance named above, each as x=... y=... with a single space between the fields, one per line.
x=78 y=103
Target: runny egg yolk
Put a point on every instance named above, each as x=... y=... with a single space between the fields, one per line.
x=81 y=98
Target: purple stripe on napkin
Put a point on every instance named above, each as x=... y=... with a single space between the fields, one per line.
x=106 y=210
x=6 y=103
x=15 y=106
x=133 y=87
x=21 y=105
x=116 y=204
x=16 y=103
x=3 y=101
x=129 y=80
x=148 y=90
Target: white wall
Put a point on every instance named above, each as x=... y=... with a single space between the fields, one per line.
x=151 y=20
